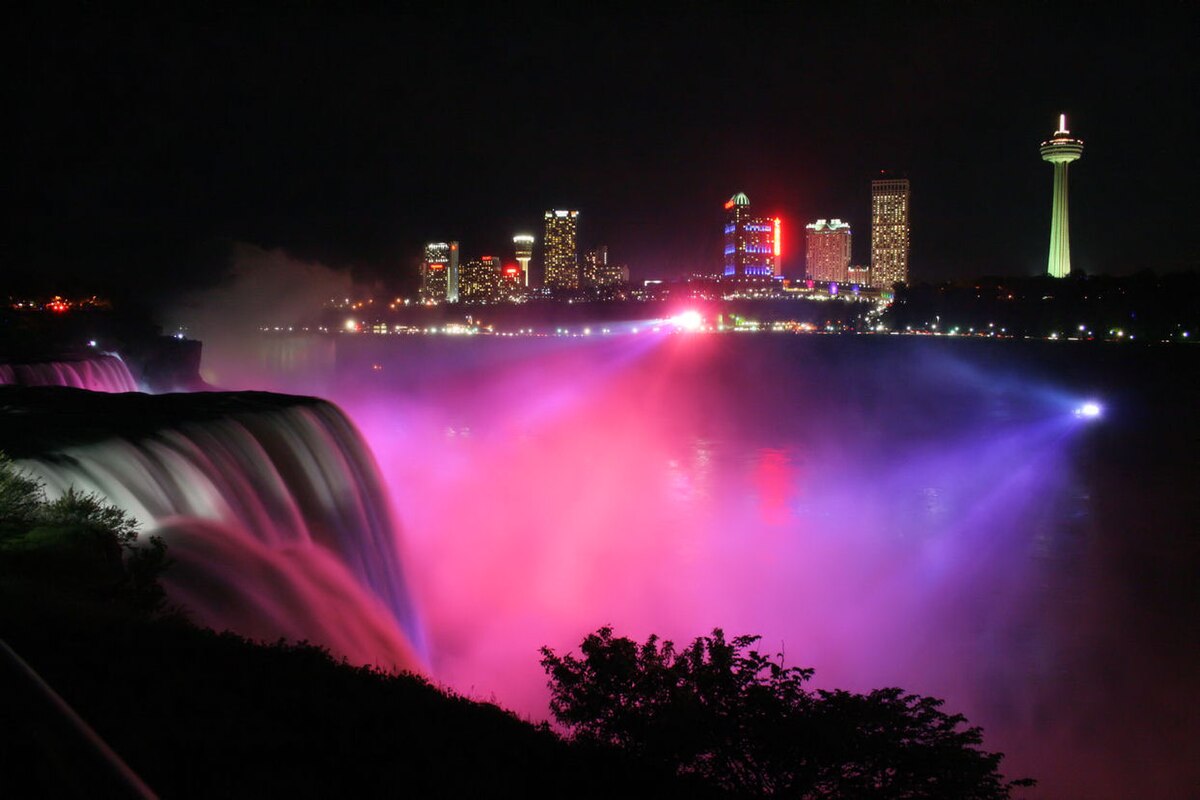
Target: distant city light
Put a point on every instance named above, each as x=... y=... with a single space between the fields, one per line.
x=688 y=320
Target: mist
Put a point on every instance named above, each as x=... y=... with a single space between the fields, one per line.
x=264 y=289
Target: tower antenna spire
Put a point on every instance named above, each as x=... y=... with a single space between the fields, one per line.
x=1062 y=123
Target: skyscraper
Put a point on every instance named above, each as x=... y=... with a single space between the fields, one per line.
x=889 y=231
x=512 y=285
x=523 y=244
x=595 y=266
x=559 y=253
x=827 y=251
x=1060 y=151
x=480 y=280
x=439 y=272
x=751 y=243
x=599 y=273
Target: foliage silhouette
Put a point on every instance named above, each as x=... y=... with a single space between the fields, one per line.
x=77 y=541
x=720 y=710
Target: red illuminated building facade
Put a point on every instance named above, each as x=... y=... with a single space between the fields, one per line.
x=512 y=283
x=827 y=251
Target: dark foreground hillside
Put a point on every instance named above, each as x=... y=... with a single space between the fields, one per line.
x=197 y=714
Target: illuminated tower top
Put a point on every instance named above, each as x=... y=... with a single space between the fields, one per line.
x=523 y=244
x=1062 y=148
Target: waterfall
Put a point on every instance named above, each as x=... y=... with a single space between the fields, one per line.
x=105 y=372
x=275 y=518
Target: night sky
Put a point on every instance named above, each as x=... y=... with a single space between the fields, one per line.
x=147 y=143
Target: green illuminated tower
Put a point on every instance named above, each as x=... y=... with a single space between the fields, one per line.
x=1060 y=151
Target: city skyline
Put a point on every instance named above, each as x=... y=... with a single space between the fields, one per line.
x=201 y=133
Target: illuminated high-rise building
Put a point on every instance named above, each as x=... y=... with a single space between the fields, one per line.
x=523 y=244
x=889 y=231
x=1060 y=150
x=479 y=280
x=599 y=273
x=595 y=266
x=752 y=244
x=512 y=283
x=827 y=251
x=439 y=273
x=559 y=255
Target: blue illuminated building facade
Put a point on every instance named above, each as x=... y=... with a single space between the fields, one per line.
x=751 y=243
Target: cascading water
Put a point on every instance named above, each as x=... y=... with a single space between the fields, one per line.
x=274 y=517
x=101 y=373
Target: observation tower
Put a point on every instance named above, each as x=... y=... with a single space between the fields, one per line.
x=1060 y=150
x=523 y=244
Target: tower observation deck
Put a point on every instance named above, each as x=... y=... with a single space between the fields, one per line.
x=1060 y=150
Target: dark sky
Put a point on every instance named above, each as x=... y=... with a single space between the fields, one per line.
x=149 y=141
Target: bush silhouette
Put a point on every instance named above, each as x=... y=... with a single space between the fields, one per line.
x=720 y=710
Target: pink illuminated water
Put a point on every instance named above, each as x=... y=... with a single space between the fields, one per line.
x=104 y=372
x=890 y=512
x=274 y=517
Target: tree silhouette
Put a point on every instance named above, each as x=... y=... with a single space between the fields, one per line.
x=725 y=712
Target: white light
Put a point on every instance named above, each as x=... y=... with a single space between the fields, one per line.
x=1089 y=410
x=688 y=320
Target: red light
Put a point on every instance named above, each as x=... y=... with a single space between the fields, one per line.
x=778 y=239
x=437 y=266
x=510 y=270
x=728 y=204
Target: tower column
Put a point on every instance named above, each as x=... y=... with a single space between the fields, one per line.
x=1060 y=234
